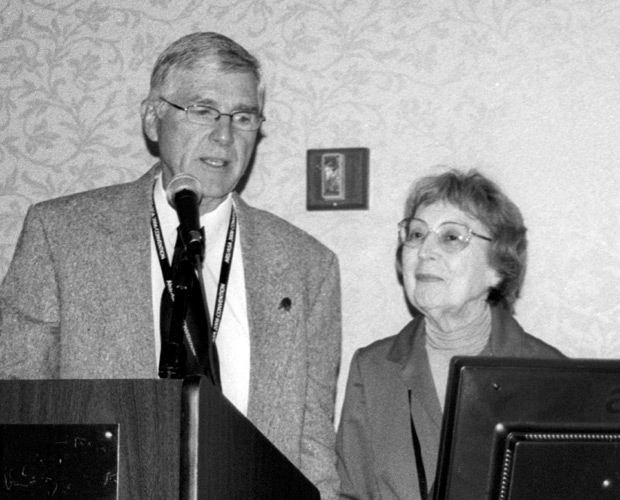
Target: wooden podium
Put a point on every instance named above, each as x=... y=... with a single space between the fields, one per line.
x=136 y=440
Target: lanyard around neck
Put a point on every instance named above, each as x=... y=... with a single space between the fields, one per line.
x=227 y=257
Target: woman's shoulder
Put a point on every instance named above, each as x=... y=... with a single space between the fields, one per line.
x=510 y=339
x=382 y=348
x=535 y=347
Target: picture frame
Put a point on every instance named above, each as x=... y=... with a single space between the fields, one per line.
x=337 y=179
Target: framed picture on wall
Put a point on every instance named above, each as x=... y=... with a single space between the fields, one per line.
x=337 y=179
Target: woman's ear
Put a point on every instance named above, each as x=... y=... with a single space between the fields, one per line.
x=493 y=278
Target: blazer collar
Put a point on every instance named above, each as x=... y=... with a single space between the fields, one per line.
x=506 y=334
x=131 y=205
x=409 y=352
x=272 y=311
x=121 y=221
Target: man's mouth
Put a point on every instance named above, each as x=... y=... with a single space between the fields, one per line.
x=427 y=278
x=214 y=162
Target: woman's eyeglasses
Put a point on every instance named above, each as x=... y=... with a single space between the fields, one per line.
x=453 y=237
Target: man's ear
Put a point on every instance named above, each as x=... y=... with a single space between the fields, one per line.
x=150 y=119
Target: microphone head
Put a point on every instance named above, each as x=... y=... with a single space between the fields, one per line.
x=183 y=182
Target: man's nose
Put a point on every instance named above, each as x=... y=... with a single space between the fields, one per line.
x=222 y=132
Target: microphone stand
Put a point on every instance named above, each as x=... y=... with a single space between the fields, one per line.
x=172 y=361
x=173 y=358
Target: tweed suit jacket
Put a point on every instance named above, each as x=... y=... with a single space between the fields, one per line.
x=390 y=383
x=76 y=303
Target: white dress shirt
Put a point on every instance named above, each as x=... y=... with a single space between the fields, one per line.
x=233 y=337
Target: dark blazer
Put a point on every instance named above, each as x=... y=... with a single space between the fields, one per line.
x=375 y=452
x=76 y=303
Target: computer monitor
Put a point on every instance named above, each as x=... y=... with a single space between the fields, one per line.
x=530 y=429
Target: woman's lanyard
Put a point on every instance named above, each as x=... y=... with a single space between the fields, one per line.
x=166 y=269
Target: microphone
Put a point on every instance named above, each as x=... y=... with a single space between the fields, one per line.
x=184 y=194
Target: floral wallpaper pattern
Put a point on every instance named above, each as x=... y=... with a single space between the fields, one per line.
x=528 y=91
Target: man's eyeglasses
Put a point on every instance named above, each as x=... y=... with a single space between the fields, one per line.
x=453 y=236
x=206 y=115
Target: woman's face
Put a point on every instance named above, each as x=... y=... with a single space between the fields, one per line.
x=443 y=284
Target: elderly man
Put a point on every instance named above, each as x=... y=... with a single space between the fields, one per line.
x=82 y=296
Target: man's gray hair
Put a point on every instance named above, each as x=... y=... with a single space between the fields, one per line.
x=199 y=48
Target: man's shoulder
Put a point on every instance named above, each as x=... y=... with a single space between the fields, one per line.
x=83 y=197
x=280 y=231
x=92 y=200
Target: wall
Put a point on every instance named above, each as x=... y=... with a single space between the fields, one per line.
x=526 y=90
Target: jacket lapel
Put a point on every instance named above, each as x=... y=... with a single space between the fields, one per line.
x=274 y=325
x=409 y=352
x=125 y=290
x=506 y=335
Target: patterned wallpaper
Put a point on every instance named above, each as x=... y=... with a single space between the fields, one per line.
x=526 y=90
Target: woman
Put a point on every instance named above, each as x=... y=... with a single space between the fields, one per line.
x=461 y=258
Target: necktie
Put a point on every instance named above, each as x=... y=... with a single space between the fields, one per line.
x=198 y=354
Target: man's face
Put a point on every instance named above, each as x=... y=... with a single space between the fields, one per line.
x=216 y=155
